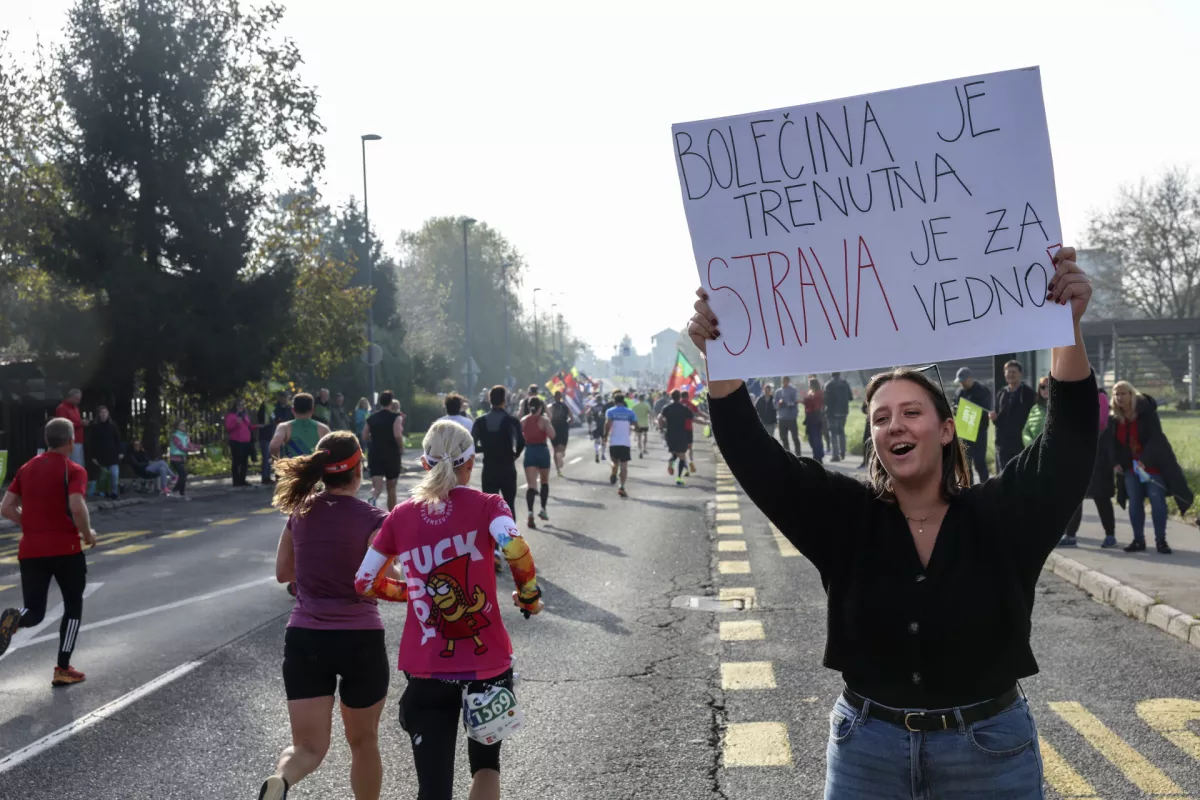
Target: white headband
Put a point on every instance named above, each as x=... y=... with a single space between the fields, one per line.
x=431 y=460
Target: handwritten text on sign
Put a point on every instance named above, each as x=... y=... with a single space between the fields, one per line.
x=910 y=225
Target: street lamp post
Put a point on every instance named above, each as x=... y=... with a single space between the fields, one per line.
x=507 y=352
x=369 y=137
x=467 y=223
x=537 y=338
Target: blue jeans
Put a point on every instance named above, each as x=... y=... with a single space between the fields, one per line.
x=998 y=757
x=1138 y=492
x=77 y=453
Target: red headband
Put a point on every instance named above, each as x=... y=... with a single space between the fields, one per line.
x=344 y=465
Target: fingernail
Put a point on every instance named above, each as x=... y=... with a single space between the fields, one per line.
x=714 y=322
x=1049 y=295
x=716 y=334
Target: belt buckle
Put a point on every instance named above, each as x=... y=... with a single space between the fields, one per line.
x=945 y=725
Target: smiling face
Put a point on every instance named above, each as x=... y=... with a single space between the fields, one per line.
x=907 y=434
x=1012 y=375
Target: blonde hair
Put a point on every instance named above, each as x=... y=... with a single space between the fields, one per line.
x=444 y=444
x=1115 y=408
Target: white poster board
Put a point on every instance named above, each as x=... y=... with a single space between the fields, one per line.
x=905 y=226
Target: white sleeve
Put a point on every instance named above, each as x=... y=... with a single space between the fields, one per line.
x=504 y=530
x=369 y=570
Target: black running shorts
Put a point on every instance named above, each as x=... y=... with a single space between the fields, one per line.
x=619 y=453
x=314 y=660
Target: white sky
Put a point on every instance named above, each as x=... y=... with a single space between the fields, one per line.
x=554 y=125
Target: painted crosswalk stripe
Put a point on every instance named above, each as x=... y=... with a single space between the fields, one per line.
x=575 y=460
x=728 y=516
x=1170 y=717
x=747 y=594
x=757 y=744
x=731 y=546
x=746 y=675
x=726 y=498
x=1140 y=772
x=733 y=567
x=730 y=530
x=742 y=630
x=8 y=560
x=186 y=532
x=728 y=506
x=112 y=538
x=6 y=586
x=127 y=549
x=786 y=548
x=230 y=521
x=1062 y=777
x=266 y=511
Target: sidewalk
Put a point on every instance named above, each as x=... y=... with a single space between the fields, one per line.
x=1173 y=580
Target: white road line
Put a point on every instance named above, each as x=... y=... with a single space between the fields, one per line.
x=145 y=612
x=575 y=460
x=88 y=720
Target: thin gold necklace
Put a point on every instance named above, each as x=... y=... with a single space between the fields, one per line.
x=920 y=522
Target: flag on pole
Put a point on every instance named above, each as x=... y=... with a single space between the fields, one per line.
x=682 y=374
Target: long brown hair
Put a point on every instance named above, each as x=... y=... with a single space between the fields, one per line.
x=956 y=475
x=299 y=477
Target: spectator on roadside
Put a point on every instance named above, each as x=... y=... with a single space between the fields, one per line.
x=1146 y=465
x=266 y=432
x=361 y=412
x=321 y=411
x=339 y=419
x=238 y=428
x=787 y=401
x=1036 y=421
x=69 y=409
x=974 y=392
x=1013 y=404
x=180 y=448
x=837 y=407
x=765 y=406
x=814 y=418
x=143 y=466
x=104 y=439
x=1100 y=489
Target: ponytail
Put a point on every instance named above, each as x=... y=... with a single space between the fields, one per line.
x=336 y=462
x=447 y=446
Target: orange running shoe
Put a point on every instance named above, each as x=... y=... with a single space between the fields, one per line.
x=65 y=677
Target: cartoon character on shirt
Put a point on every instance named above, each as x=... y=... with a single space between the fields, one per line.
x=455 y=615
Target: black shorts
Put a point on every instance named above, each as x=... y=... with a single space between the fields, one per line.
x=618 y=452
x=640 y=429
x=431 y=715
x=691 y=437
x=561 y=433
x=496 y=481
x=313 y=660
x=677 y=444
x=598 y=433
x=384 y=464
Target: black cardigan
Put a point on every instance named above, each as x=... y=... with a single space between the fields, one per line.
x=954 y=632
x=1157 y=453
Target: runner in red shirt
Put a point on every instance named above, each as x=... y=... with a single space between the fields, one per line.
x=69 y=409
x=46 y=500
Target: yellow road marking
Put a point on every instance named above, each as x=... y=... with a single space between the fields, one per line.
x=731 y=546
x=746 y=594
x=757 y=744
x=733 y=567
x=733 y=506
x=1170 y=717
x=7 y=586
x=183 y=534
x=10 y=551
x=13 y=536
x=1062 y=777
x=111 y=538
x=726 y=486
x=728 y=516
x=230 y=521
x=726 y=498
x=8 y=560
x=741 y=675
x=742 y=630
x=731 y=530
x=127 y=549
x=786 y=548
x=266 y=511
x=1147 y=777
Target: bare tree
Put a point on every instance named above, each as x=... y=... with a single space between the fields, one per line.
x=1152 y=236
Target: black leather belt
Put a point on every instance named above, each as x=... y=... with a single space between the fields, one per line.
x=935 y=720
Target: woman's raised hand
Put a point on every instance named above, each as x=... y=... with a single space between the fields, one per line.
x=1070 y=284
x=702 y=327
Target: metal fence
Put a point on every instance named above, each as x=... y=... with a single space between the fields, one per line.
x=1158 y=356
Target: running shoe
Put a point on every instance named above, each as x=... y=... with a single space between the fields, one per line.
x=273 y=788
x=542 y=515
x=621 y=492
x=670 y=467
x=692 y=468
x=10 y=620
x=679 y=481
x=530 y=522
x=613 y=479
x=65 y=677
x=1164 y=548
x=373 y=500
x=560 y=473
x=597 y=458
x=1109 y=541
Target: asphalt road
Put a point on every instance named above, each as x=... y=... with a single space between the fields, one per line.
x=626 y=696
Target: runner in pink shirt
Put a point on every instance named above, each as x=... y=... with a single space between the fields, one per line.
x=454 y=640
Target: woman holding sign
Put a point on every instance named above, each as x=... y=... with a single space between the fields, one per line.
x=930 y=579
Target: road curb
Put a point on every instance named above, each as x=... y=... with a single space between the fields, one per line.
x=1126 y=599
